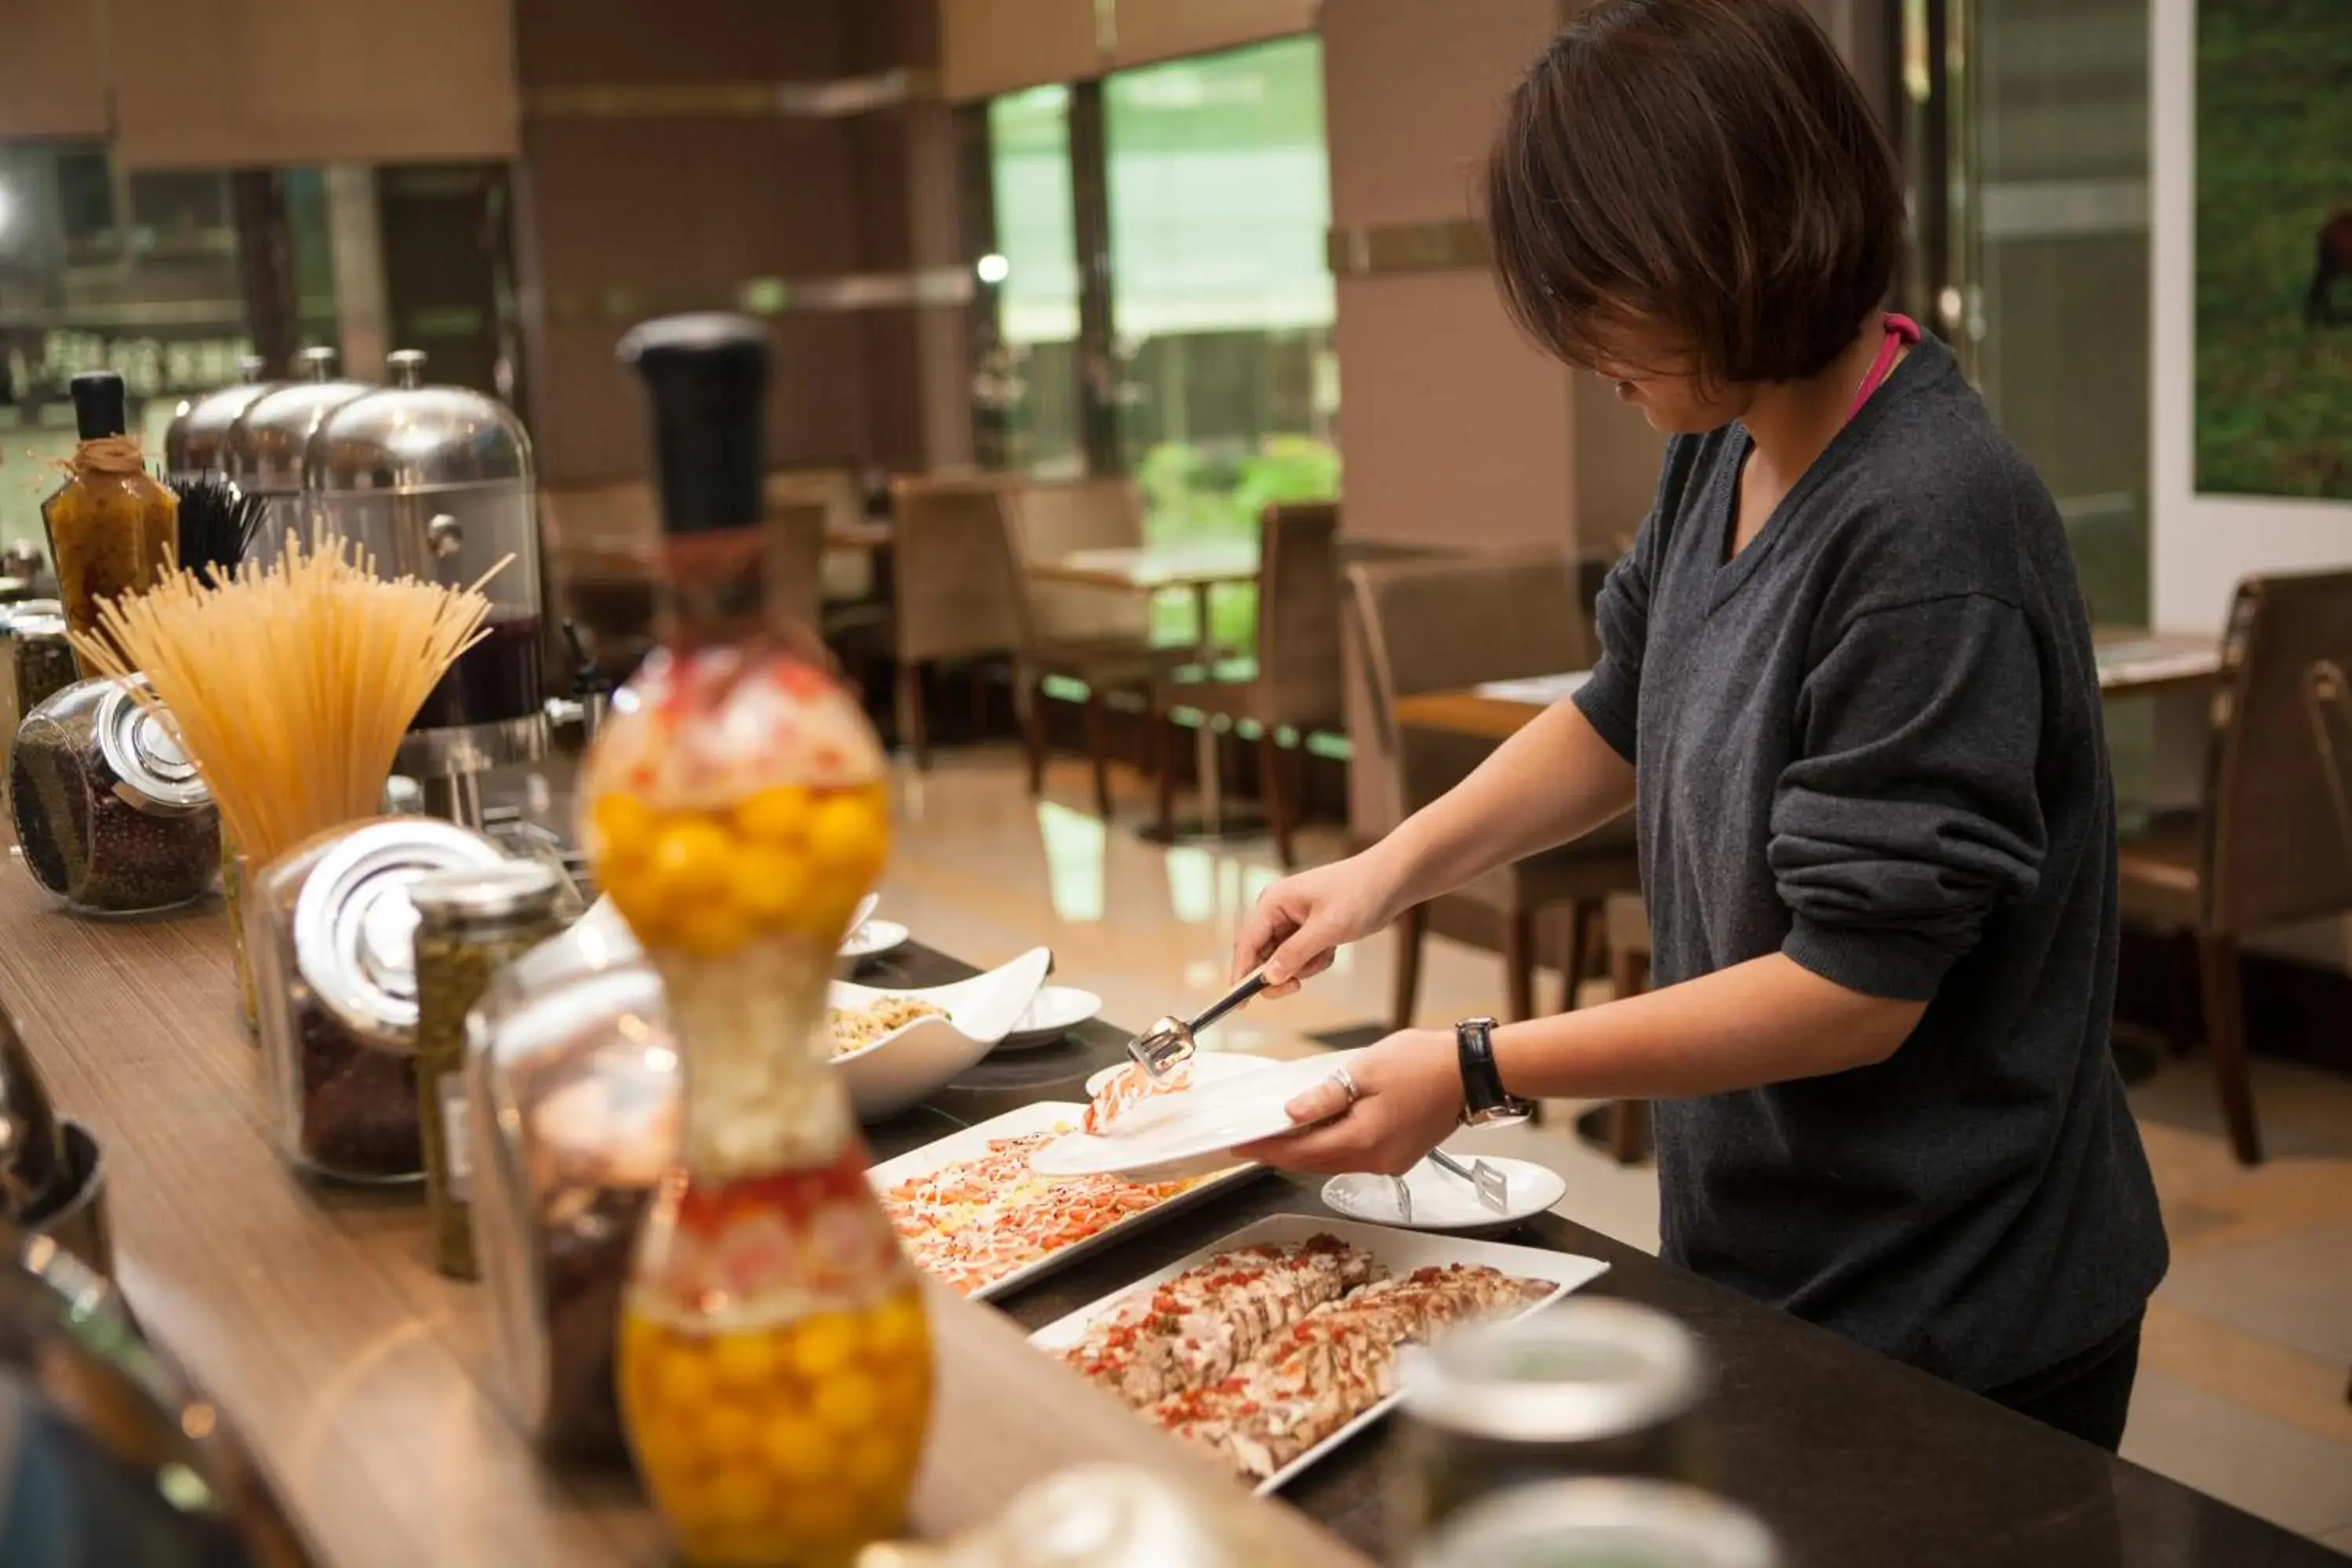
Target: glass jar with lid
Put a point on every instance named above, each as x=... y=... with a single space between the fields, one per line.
x=1622 y=1523
x=571 y=1089
x=264 y=447
x=194 y=442
x=331 y=931
x=1592 y=1387
x=36 y=662
x=434 y=483
x=469 y=924
x=108 y=811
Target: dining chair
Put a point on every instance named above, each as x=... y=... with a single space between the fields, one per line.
x=1447 y=624
x=846 y=575
x=2244 y=858
x=1295 y=681
x=795 y=536
x=1052 y=518
x=962 y=595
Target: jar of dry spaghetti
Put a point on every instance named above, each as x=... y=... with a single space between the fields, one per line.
x=108 y=811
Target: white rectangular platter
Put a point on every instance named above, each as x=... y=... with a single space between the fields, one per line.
x=1042 y=1116
x=1398 y=1251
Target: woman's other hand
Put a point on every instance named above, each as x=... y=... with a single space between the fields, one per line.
x=1408 y=1099
x=1297 y=923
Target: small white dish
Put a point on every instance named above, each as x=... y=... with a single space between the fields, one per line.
x=917 y=1058
x=1056 y=1011
x=870 y=938
x=1443 y=1201
x=1208 y=1066
x=1175 y=1130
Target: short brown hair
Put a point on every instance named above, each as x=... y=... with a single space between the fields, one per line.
x=1707 y=166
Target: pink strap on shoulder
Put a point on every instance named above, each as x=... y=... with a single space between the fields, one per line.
x=1901 y=332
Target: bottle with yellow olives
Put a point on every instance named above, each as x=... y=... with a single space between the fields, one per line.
x=774 y=1365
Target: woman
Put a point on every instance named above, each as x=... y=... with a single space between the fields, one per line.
x=1846 y=684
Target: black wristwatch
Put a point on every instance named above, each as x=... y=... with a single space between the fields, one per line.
x=1485 y=1101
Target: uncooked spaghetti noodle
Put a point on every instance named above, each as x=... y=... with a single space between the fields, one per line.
x=290 y=687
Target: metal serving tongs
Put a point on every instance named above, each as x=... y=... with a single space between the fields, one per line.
x=1169 y=1041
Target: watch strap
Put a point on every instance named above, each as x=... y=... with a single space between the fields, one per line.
x=1482 y=1081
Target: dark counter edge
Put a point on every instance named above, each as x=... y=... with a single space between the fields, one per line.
x=1853 y=1459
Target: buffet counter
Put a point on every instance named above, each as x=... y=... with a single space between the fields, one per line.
x=314 y=1316
x=359 y=1375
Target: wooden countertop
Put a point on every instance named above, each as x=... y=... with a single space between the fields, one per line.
x=360 y=1376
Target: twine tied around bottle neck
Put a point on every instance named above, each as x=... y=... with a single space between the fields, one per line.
x=105 y=455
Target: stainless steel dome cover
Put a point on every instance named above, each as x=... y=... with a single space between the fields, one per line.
x=265 y=442
x=413 y=439
x=192 y=442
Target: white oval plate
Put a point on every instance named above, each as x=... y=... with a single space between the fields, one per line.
x=1443 y=1201
x=916 y=1058
x=1208 y=1066
x=1056 y=1010
x=1205 y=1119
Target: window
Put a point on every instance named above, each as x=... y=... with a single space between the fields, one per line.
x=1028 y=380
x=1205 y=183
x=136 y=273
x=1221 y=296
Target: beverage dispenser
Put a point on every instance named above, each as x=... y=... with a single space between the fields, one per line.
x=195 y=441
x=436 y=483
x=264 y=448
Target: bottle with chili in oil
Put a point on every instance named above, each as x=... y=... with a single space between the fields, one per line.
x=111 y=525
x=775 y=1365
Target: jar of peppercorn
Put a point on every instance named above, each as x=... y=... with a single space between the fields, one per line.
x=109 y=810
x=330 y=928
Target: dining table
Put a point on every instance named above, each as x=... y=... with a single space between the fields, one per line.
x=2133 y=662
x=368 y=1389
x=1197 y=566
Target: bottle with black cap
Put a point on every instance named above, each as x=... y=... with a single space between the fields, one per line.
x=111 y=526
x=736 y=813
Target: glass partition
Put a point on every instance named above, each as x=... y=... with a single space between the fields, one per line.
x=103 y=268
x=1028 y=380
x=1221 y=292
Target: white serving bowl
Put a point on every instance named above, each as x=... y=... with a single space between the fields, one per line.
x=920 y=1057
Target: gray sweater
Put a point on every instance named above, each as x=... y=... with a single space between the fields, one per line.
x=1871 y=741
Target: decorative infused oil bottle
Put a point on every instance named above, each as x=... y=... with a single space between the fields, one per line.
x=111 y=526
x=775 y=1365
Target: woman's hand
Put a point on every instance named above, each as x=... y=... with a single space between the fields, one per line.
x=1408 y=1098
x=1297 y=923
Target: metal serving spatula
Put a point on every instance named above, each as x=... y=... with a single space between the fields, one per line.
x=1159 y=1048
x=1494 y=1188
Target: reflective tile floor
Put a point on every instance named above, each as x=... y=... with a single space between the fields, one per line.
x=2247 y=1347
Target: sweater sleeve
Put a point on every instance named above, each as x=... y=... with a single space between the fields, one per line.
x=1611 y=700
x=1912 y=811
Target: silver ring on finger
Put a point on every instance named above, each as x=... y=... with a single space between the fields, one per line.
x=1346 y=1082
